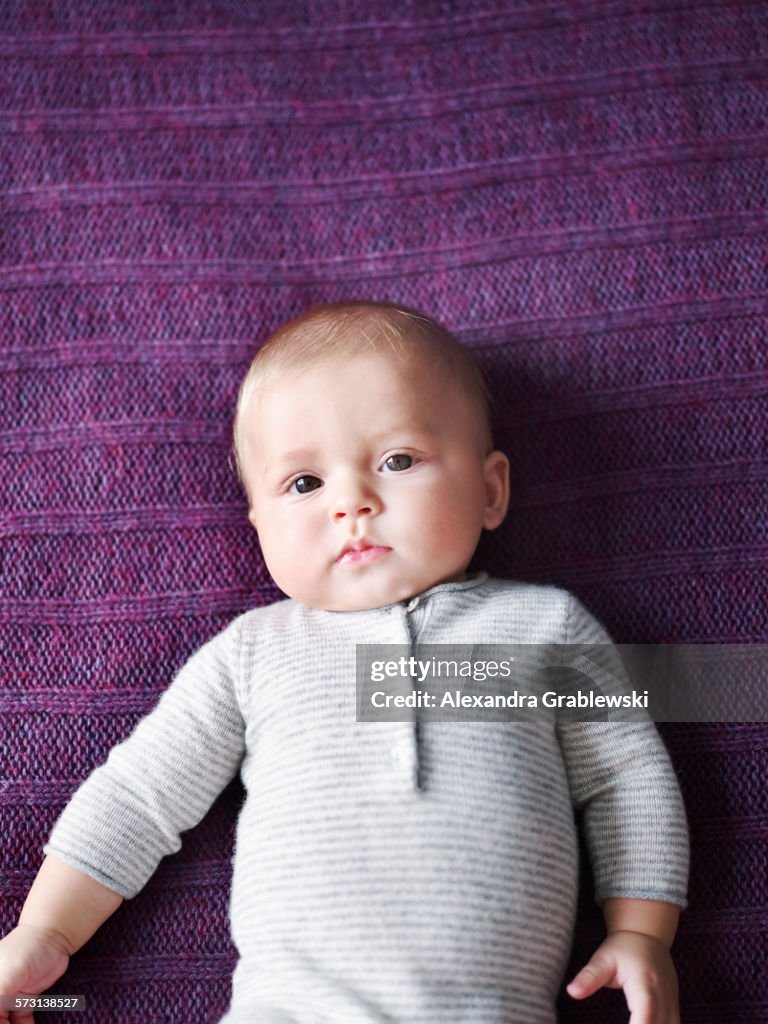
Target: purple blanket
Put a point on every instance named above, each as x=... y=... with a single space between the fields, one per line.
x=577 y=189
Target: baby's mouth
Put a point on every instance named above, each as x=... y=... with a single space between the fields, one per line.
x=362 y=553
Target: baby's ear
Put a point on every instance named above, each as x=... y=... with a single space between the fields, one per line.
x=496 y=471
x=252 y=519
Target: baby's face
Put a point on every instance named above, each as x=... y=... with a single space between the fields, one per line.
x=368 y=481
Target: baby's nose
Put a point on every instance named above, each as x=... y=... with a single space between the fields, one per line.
x=355 y=500
x=363 y=510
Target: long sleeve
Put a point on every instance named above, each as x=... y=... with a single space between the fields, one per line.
x=622 y=780
x=162 y=779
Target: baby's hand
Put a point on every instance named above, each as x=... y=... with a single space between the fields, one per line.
x=642 y=966
x=31 y=959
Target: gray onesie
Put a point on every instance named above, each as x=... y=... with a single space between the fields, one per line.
x=359 y=897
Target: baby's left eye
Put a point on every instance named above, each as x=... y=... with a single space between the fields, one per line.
x=397 y=463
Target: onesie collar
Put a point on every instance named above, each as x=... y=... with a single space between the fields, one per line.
x=475 y=580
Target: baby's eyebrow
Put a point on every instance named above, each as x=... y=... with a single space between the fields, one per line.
x=288 y=458
x=397 y=432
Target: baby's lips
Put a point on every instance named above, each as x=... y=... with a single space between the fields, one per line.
x=355 y=545
x=362 y=552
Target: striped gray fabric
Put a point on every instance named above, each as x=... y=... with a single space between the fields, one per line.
x=358 y=896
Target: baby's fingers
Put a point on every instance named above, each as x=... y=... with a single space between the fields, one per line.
x=22 y=1017
x=647 y=1010
x=651 y=1003
x=598 y=972
x=642 y=1005
x=15 y=1016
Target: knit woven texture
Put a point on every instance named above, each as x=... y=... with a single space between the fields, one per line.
x=578 y=189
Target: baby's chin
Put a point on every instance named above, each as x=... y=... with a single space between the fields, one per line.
x=361 y=599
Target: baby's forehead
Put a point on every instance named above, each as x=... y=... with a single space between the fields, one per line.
x=398 y=355
x=281 y=382
x=381 y=395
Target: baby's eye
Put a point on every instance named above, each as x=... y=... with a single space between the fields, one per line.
x=305 y=484
x=399 y=462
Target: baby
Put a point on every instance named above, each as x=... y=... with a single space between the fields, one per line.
x=384 y=871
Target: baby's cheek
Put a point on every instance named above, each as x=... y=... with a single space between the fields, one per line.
x=451 y=529
x=289 y=565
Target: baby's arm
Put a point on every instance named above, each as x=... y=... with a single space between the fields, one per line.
x=160 y=781
x=621 y=777
x=63 y=909
x=635 y=957
x=635 y=828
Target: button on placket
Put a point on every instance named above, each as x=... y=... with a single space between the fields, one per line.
x=404 y=757
x=404 y=752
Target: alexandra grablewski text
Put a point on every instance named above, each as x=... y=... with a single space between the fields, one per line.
x=514 y=699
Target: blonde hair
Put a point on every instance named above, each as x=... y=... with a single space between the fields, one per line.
x=351 y=327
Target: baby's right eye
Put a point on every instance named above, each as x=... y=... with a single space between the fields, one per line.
x=305 y=484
